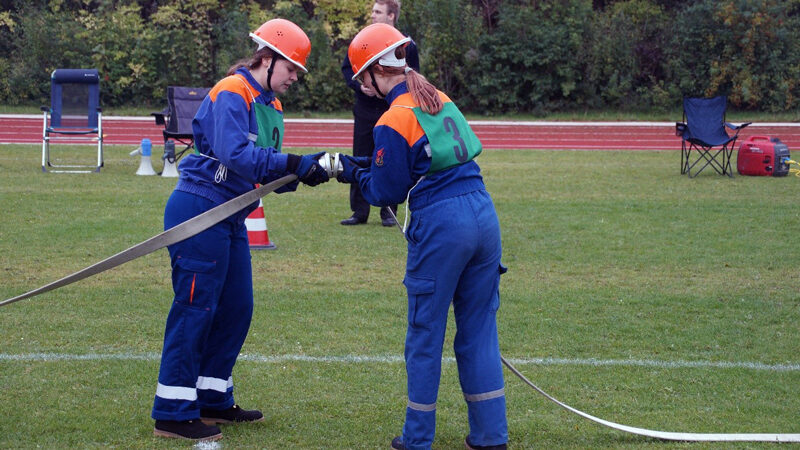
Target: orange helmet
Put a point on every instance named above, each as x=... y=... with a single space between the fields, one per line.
x=286 y=38
x=373 y=42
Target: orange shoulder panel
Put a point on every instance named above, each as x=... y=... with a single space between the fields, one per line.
x=236 y=84
x=277 y=105
x=401 y=118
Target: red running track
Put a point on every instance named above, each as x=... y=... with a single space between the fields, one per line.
x=337 y=133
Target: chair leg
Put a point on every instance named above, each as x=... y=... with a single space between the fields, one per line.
x=728 y=155
x=705 y=155
x=684 y=157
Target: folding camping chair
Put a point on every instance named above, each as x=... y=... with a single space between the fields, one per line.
x=182 y=105
x=74 y=116
x=703 y=132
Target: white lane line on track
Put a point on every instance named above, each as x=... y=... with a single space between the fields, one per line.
x=396 y=359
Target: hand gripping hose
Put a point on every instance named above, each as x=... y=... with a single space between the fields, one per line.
x=175 y=234
x=665 y=435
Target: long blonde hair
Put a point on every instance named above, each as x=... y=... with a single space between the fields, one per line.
x=422 y=91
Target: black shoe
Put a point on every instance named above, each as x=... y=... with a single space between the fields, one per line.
x=471 y=446
x=232 y=414
x=353 y=220
x=388 y=222
x=187 y=429
x=397 y=443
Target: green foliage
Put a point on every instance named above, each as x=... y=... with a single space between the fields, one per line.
x=761 y=65
x=747 y=50
x=46 y=39
x=624 y=53
x=446 y=33
x=491 y=56
x=530 y=62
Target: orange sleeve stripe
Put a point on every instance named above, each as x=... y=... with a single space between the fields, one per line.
x=236 y=84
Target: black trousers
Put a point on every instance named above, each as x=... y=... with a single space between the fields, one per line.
x=363 y=145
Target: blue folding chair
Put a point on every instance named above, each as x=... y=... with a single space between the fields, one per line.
x=704 y=140
x=74 y=116
x=182 y=104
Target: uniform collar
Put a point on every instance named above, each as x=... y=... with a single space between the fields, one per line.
x=396 y=91
x=267 y=95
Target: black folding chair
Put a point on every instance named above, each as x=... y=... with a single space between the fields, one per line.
x=182 y=104
x=704 y=139
x=74 y=116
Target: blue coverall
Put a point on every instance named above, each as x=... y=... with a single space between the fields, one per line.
x=211 y=272
x=454 y=252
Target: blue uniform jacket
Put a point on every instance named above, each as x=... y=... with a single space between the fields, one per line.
x=400 y=160
x=225 y=131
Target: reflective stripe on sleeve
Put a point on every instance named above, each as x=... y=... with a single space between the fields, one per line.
x=421 y=406
x=214 y=384
x=484 y=396
x=176 y=392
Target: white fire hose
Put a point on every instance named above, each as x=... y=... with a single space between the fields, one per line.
x=333 y=163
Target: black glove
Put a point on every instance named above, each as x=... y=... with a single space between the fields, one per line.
x=307 y=168
x=351 y=165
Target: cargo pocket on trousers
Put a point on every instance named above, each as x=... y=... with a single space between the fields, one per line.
x=420 y=297
x=495 y=305
x=194 y=282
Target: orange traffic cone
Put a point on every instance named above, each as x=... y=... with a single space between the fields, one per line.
x=257 y=232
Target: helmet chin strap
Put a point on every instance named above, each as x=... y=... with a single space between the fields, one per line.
x=375 y=83
x=269 y=72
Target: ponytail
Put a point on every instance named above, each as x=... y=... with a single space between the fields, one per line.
x=423 y=92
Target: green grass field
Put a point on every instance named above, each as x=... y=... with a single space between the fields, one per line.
x=633 y=293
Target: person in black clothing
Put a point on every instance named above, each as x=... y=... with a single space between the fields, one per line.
x=367 y=109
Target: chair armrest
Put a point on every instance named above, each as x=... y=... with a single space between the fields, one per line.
x=737 y=127
x=680 y=129
x=159 y=118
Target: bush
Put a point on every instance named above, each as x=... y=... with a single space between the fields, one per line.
x=747 y=50
x=446 y=33
x=625 y=54
x=529 y=62
x=491 y=56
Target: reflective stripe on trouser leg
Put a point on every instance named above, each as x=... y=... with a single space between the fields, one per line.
x=423 y=369
x=437 y=254
x=231 y=324
x=199 y=265
x=477 y=349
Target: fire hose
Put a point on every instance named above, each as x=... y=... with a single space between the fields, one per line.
x=175 y=234
x=334 y=167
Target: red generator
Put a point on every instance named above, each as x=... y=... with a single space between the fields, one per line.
x=763 y=156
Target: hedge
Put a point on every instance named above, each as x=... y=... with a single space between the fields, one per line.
x=492 y=56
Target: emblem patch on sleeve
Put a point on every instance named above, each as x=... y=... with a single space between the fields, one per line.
x=379 y=157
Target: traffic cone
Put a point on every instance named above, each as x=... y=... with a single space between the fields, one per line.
x=257 y=232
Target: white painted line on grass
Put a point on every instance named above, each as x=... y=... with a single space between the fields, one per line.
x=396 y=359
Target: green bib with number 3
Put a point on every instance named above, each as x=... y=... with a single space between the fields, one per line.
x=270 y=126
x=450 y=137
